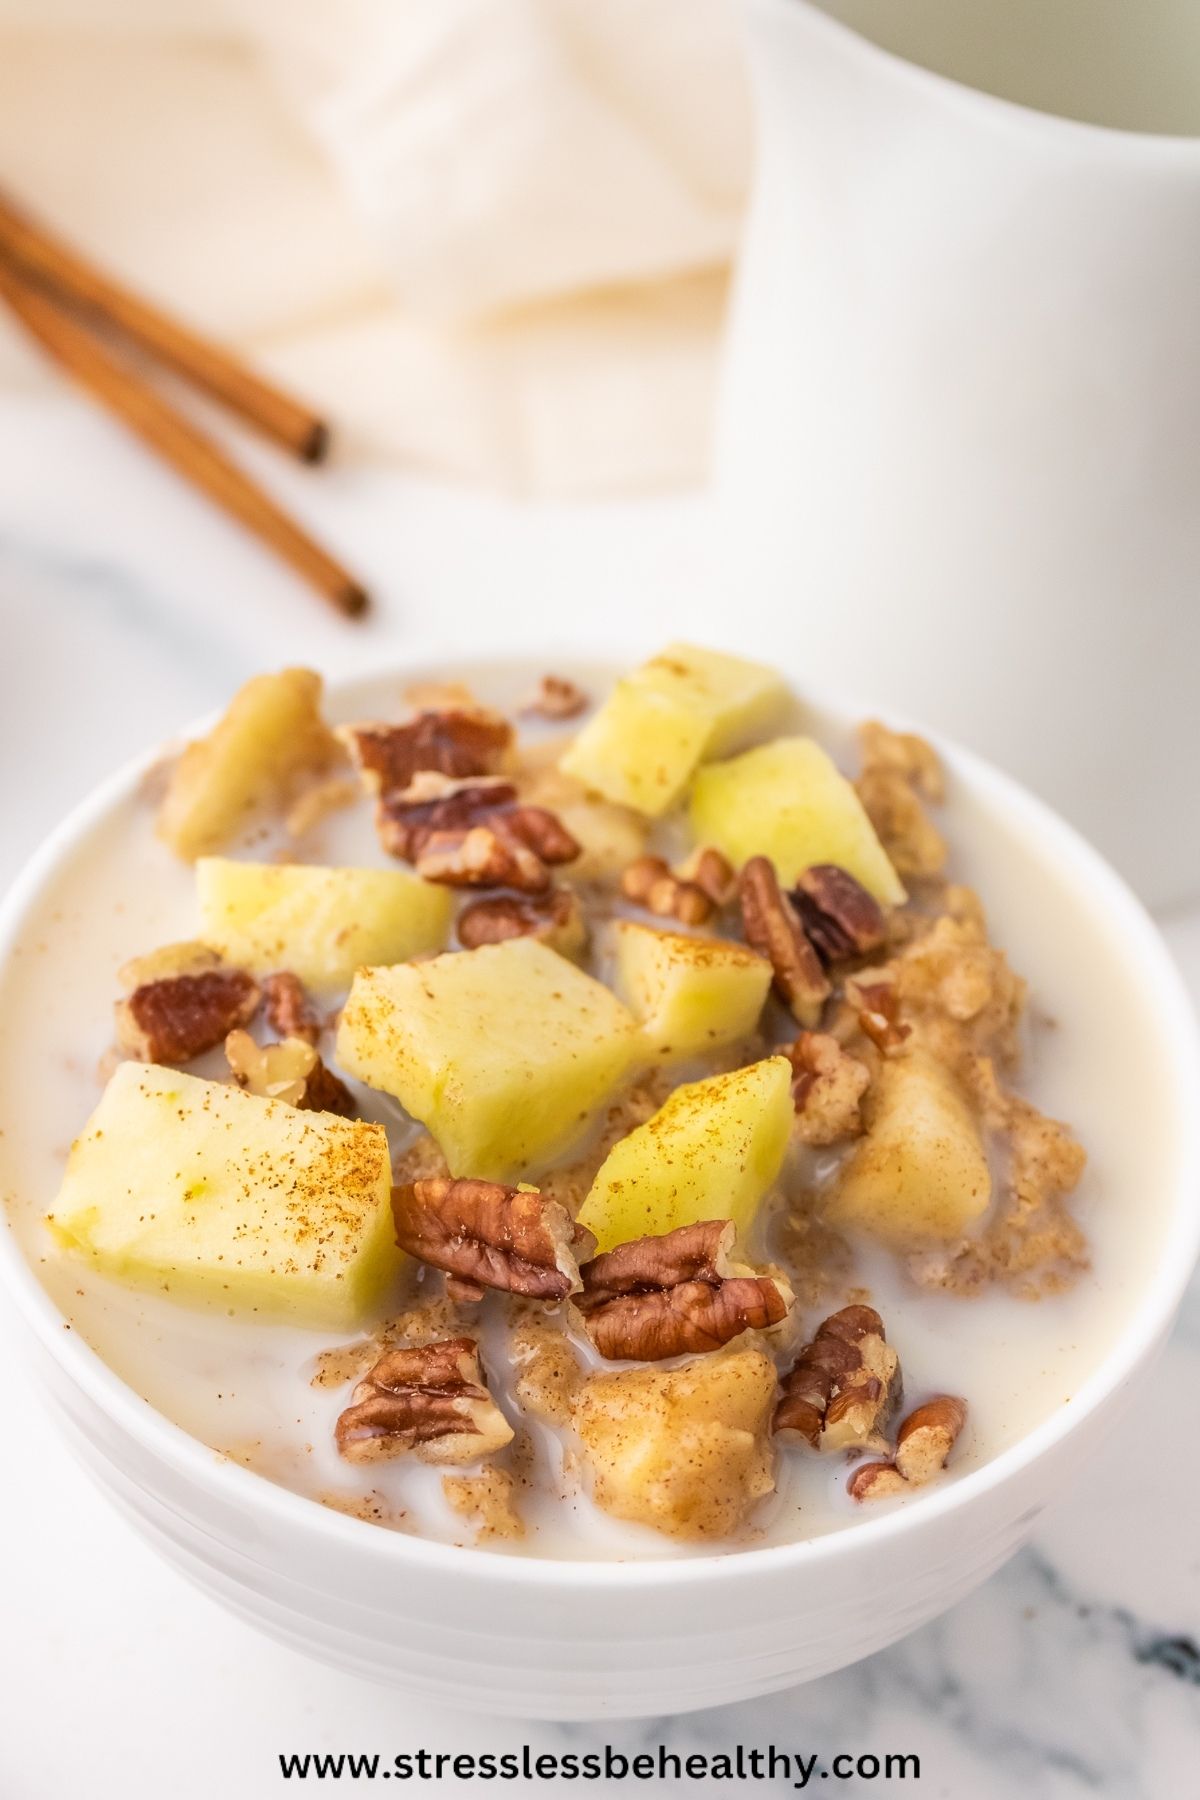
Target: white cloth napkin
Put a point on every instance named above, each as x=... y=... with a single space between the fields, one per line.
x=488 y=236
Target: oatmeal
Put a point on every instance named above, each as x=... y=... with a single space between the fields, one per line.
x=625 y=1140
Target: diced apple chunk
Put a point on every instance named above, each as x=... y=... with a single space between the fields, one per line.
x=320 y=923
x=271 y=733
x=659 y=722
x=504 y=1052
x=787 y=800
x=710 y=1152
x=609 y=837
x=684 y=1450
x=214 y=1195
x=689 y=993
x=920 y=1175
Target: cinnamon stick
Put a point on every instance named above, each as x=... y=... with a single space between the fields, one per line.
x=44 y=260
x=173 y=437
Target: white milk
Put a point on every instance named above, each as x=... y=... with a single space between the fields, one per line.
x=1104 y=61
x=243 y=1387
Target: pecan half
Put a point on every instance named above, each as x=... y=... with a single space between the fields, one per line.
x=513 y=847
x=828 y=1086
x=431 y=802
x=289 y=1012
x=675 y=1294
x=290 y=1071
x=496 y=1236
x=432 y=1401
x=649 y=882
x=180 y=1016
x=840 y=918
x=473 y=833
x=557 y=698
x=773 y=928
x=556 y=918
x=455 y=741
x=841 y=1384
x=923 y=1443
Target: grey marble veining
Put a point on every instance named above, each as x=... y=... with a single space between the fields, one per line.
x=1075 y=1671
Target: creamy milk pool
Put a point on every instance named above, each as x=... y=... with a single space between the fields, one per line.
x=244 y=1388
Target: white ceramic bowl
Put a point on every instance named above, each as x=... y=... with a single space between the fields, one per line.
x=592 y=1639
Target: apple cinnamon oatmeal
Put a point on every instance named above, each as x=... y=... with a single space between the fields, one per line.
x=608 y=1126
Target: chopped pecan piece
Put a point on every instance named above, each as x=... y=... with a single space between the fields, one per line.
x=432 y=1400
x=289 y=1012
x=923 y=1443
x=927 y=1436
x=713 y=873
x=557 y=698
x=555 y=918
x=290 y=1071
x=326 y=1092
x=473 y=833
x=497 y=1236
x=841 y=919
x=676 y=1294
x=173 y=1017
x=458 y=741
x=878 y=1007
x=828 y=1085
x=649 y=883
x=841 y=1384
x=513 y=847
x=405 y=818
x=875 y=1481
x=773 y=928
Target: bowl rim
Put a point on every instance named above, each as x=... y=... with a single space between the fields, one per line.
x=1145 y=1325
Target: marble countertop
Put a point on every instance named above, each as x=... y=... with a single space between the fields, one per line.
x=126 y=610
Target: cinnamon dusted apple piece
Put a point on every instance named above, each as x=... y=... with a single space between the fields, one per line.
x=269 y=738
x=685 y=1450
x=711 y=1151
x=789 y=802
x=656 y=725
x=505 y=1053
x=320 y=923
x=198 y=1190
x=429 y=1401
x=920 y=1175
x=689 y=993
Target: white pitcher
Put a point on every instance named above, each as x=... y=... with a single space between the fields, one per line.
x=959 y=440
